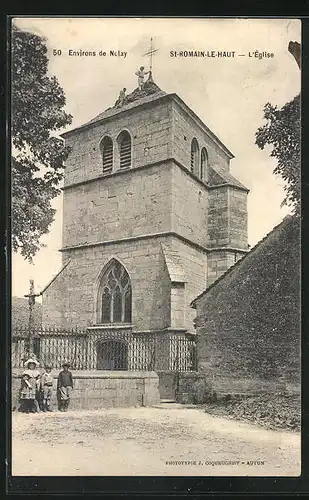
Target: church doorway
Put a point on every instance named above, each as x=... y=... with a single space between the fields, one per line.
x=112 y=355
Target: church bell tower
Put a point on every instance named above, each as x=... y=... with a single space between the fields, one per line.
x=151 y=216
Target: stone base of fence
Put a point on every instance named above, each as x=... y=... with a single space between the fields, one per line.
x=104 y=389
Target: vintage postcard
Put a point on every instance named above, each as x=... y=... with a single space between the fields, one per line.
x=155 y=246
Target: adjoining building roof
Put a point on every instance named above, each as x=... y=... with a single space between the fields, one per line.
x=54 y=277
x=20 y=313
x=174 y=264
x=253 y=253
x=218 y=175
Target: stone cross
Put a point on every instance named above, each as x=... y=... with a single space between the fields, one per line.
x=150 y=54
x=31 y=296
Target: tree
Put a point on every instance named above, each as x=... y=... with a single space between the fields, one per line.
x=282 y=132
x=295 y=49
x=37 y=154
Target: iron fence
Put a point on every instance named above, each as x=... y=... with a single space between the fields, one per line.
x=99 y=349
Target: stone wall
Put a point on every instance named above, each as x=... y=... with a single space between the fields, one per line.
x=159 y=130
x=53 y=299
x=248 y=324
x=79 y=285
x=218 y=217
x=168 y=385
x=184 y=130
x=189 y=207
x=135 y=202
x=178 y=305
x=154 y=199
x=197 y=387
x=238 y=219
x=185 y=212
x=150 y=128
x=219 y=262
x=227 y=218
x=93 y=390
x=194 y=265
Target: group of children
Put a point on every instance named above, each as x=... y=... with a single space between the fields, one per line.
x=36 y=392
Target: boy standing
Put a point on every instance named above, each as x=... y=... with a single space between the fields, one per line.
x=141 y=75
x=65 y=386
x=47 y=388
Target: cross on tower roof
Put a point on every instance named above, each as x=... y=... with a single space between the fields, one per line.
x=150 y=53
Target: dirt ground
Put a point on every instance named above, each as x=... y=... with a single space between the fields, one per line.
x=167 y=440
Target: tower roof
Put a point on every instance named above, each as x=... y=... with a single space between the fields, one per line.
x=149 y=93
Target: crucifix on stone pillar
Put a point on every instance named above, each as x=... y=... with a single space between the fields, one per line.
x=31 y=300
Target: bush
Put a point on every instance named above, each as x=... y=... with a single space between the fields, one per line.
x=274 y=411
x=203 y=392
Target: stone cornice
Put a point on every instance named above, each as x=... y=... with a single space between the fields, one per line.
x=166 y=162
x=111 y=326
x=153 y=236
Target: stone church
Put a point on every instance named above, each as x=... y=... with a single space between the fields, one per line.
x=151 y=216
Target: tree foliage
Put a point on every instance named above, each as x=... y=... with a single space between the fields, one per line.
x=38 y=113
x=282 y=132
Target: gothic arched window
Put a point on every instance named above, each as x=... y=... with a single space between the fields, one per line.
x=204 y=165
x=124 y=147
x=115 y=295
x=106 y=147
x=194 y=156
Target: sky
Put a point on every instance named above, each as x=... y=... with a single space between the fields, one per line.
x=228 y=94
